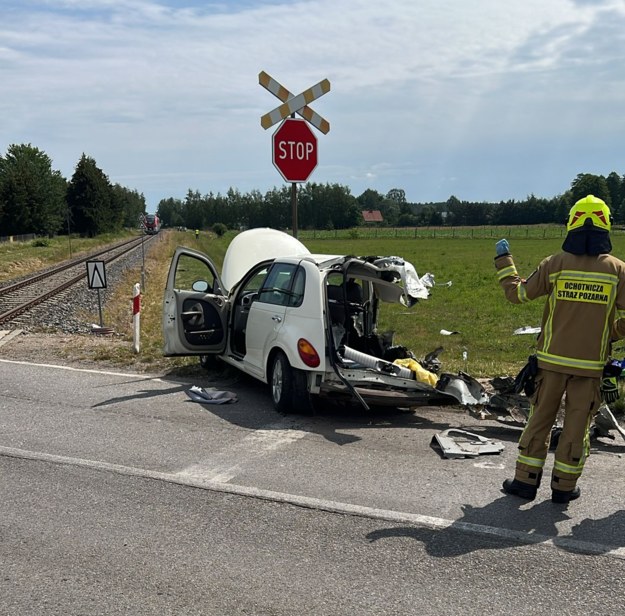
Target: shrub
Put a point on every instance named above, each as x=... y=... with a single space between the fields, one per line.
x=219 y=229
x=40 y=242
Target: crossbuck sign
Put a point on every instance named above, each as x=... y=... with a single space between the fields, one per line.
x=294 y=104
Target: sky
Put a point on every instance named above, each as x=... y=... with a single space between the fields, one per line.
x=485 y=100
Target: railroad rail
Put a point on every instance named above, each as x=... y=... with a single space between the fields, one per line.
x=20 y=297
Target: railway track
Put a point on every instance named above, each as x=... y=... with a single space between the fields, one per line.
x=18 y=298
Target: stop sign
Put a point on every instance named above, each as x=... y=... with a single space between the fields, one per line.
x=294 y=148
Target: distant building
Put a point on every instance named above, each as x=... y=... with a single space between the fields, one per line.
x=372 y=216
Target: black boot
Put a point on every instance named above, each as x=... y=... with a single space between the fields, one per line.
x=560 y=496
x=519 y=488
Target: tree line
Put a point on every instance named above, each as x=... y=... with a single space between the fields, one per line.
x=332 y=206
x=34 y=198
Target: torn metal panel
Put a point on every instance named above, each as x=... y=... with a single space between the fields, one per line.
x=414 y=287
x=466 y=444
x=463 y=388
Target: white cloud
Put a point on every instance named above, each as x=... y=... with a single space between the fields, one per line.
x=165 y=95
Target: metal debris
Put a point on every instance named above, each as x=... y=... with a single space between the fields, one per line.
x=466 y=444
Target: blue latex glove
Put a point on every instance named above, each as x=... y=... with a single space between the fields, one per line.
x=502 y=247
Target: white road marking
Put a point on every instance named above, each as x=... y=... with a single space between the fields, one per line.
x=225 y=466
x=71 y=369
x=583 y=547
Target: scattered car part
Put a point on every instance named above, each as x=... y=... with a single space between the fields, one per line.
x=463 y=388
x=211 y=396
x=466 y=445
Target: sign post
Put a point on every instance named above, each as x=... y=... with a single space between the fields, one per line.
x=96 y=279
x=136 y=317
x=142 y=226
x=294 y=145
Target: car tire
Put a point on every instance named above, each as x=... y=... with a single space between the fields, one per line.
x=281 y=383
x=303 y=401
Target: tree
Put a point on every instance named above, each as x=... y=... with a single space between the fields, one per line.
x=370 y=200
x=170 y=213
x=127 y=206
x=32 y=194
x=617 y=194
x=398 y=195
x=89 y=198
x=193 y=209
x=588 y=184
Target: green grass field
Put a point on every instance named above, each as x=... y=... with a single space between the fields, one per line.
x=473 y=305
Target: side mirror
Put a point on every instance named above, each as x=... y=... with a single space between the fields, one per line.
x=201 y=286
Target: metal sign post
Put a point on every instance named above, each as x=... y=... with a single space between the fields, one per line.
x=142 y=226
x=294 y=145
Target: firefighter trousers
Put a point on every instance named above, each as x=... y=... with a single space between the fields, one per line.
x=581 y=403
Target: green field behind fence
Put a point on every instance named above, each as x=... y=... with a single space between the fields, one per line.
x=527 y=232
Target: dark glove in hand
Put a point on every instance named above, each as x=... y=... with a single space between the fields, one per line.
x=609 y=389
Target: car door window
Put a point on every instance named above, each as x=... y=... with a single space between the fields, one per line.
x=191 y=270
x=277 y=286
x=297 y=291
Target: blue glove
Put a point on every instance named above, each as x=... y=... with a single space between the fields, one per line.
x=502 y=247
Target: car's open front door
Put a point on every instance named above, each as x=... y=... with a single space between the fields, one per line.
x=194 y=307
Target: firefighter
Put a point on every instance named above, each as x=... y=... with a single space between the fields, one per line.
x=583 y=315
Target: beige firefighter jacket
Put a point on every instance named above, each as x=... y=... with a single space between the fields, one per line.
x=584 y=312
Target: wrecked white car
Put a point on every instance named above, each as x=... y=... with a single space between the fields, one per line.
x=304 y=323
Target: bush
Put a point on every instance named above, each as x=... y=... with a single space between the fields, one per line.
x=219 y=229
x=40 y=242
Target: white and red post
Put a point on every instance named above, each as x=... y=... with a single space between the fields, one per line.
x=136 y=315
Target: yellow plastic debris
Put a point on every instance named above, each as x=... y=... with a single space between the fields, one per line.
x=423 y=375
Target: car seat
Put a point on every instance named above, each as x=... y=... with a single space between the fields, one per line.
x=336 y=301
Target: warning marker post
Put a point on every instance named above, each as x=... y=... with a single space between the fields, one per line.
x=96 y=279
x=136 y=316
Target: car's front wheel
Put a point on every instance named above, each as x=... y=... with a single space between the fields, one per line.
x=211 y=363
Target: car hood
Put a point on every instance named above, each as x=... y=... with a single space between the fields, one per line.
x=253 y=246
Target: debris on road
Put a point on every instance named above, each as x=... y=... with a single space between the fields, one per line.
x=211 y=396
x=465 y=445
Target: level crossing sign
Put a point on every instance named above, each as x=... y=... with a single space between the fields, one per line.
x=294 y=104
x=96 y=275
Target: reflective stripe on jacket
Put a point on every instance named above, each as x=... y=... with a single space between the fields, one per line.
x=584 y=312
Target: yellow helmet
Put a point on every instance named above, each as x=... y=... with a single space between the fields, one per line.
x=589 y=208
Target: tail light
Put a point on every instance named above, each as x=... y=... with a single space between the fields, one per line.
x=307 y=353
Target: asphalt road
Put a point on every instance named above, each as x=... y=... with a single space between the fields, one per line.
x=122 y=496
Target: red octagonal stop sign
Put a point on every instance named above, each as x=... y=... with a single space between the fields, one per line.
x=294 y=148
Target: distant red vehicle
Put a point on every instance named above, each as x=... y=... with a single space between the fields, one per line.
x=152 y=224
